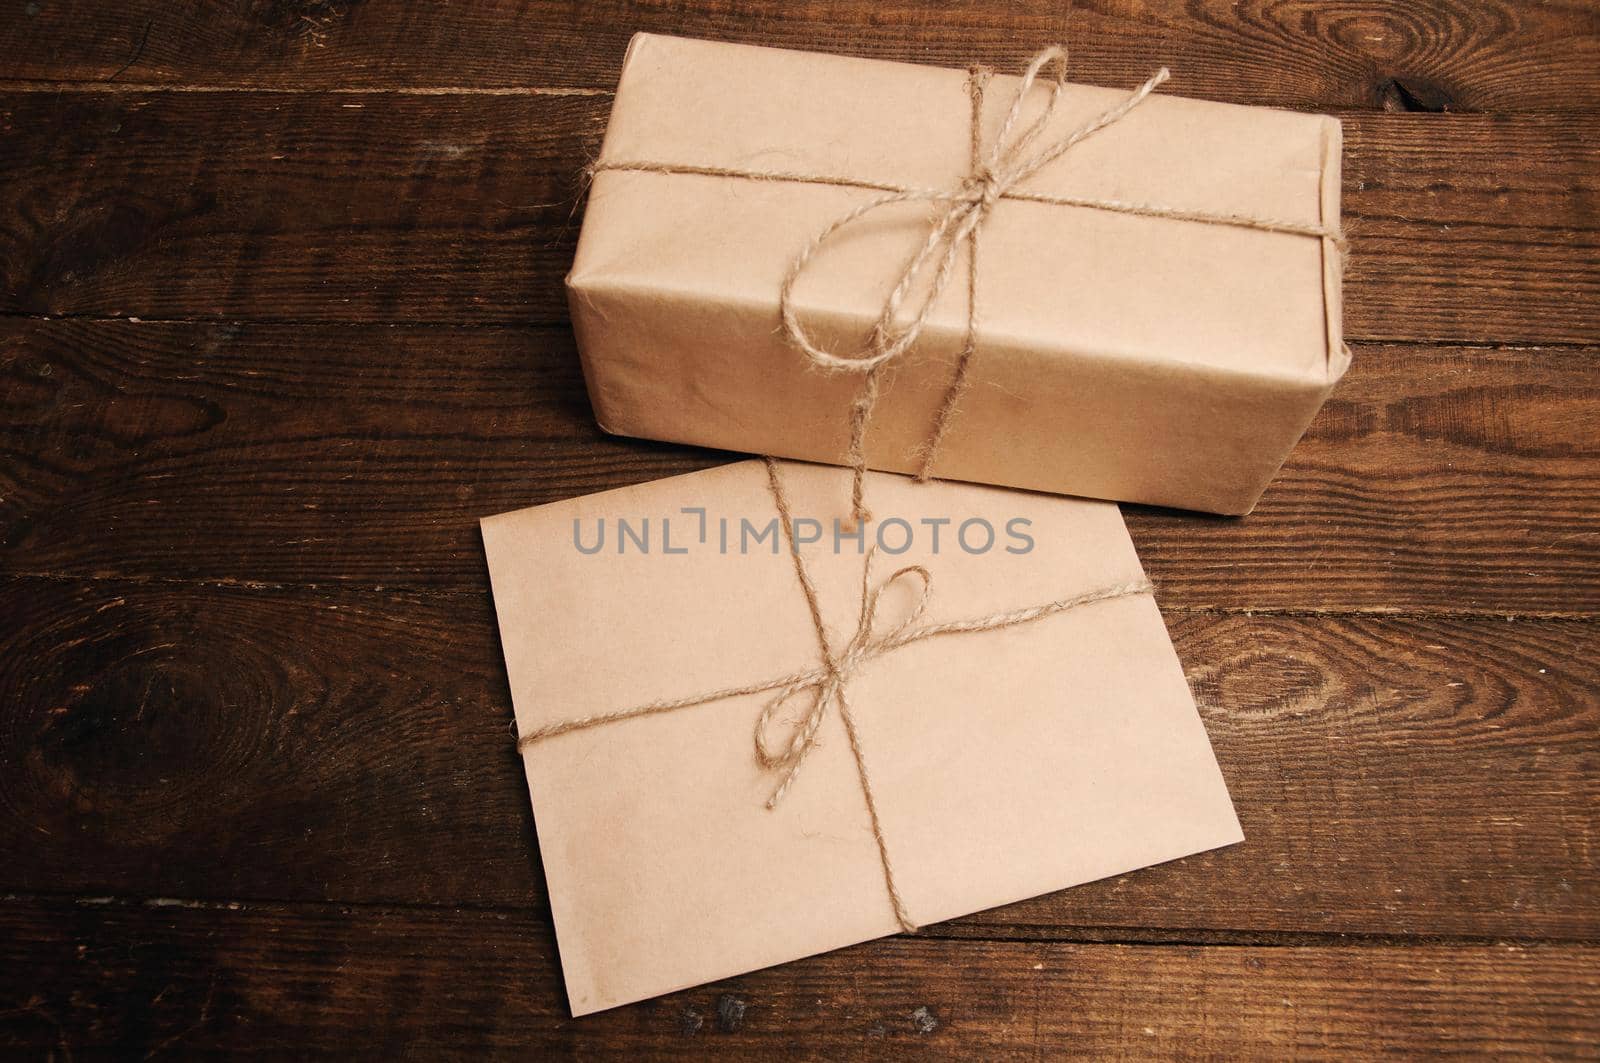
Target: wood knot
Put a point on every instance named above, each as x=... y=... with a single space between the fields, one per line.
x=730 y=1013
x=307 y=20
x=1413 y=95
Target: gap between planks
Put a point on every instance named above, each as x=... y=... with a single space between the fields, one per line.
x=25 y=86
x=427 y=593
x=523 y=325
x=31 y=86
x=954 y=930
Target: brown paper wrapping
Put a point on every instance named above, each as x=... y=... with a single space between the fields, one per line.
x=1004 y=763
x=1121 y=357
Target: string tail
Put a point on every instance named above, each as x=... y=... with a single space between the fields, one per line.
x=897 y=902
x=860 y=418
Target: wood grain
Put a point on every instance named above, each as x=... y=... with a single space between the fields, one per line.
x=1394 y=777
x=257 y=788
x=1437 y=479
x=460 y=209
x=1498 y=55
x=250 y=980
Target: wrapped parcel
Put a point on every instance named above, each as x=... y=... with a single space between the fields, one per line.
x=1006 y=760
x=1143 y=357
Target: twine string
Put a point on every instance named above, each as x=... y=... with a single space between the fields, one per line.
x=960 y=214
x=826 y=685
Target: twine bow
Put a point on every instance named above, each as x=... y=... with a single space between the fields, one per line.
x=994 y=175
x=827 y=684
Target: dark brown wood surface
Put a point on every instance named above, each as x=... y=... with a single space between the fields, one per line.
x=281 y=317
x=295 y=980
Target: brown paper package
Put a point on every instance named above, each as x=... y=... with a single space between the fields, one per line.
x=1004 y=763
x=1122 y=357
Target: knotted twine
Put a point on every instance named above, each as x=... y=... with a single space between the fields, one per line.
x=826 y=684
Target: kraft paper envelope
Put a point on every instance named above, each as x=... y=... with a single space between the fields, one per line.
x=1119 y=356
x=1004 y=763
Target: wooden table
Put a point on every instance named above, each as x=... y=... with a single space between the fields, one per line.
x=283 y=317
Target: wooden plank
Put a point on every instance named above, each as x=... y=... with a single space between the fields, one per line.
x=1437 y=479
x=291 y=207
x=1503 y=55
x=146 y=979
x=1459 y=231
x=383 y=207
x=1394 y=777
